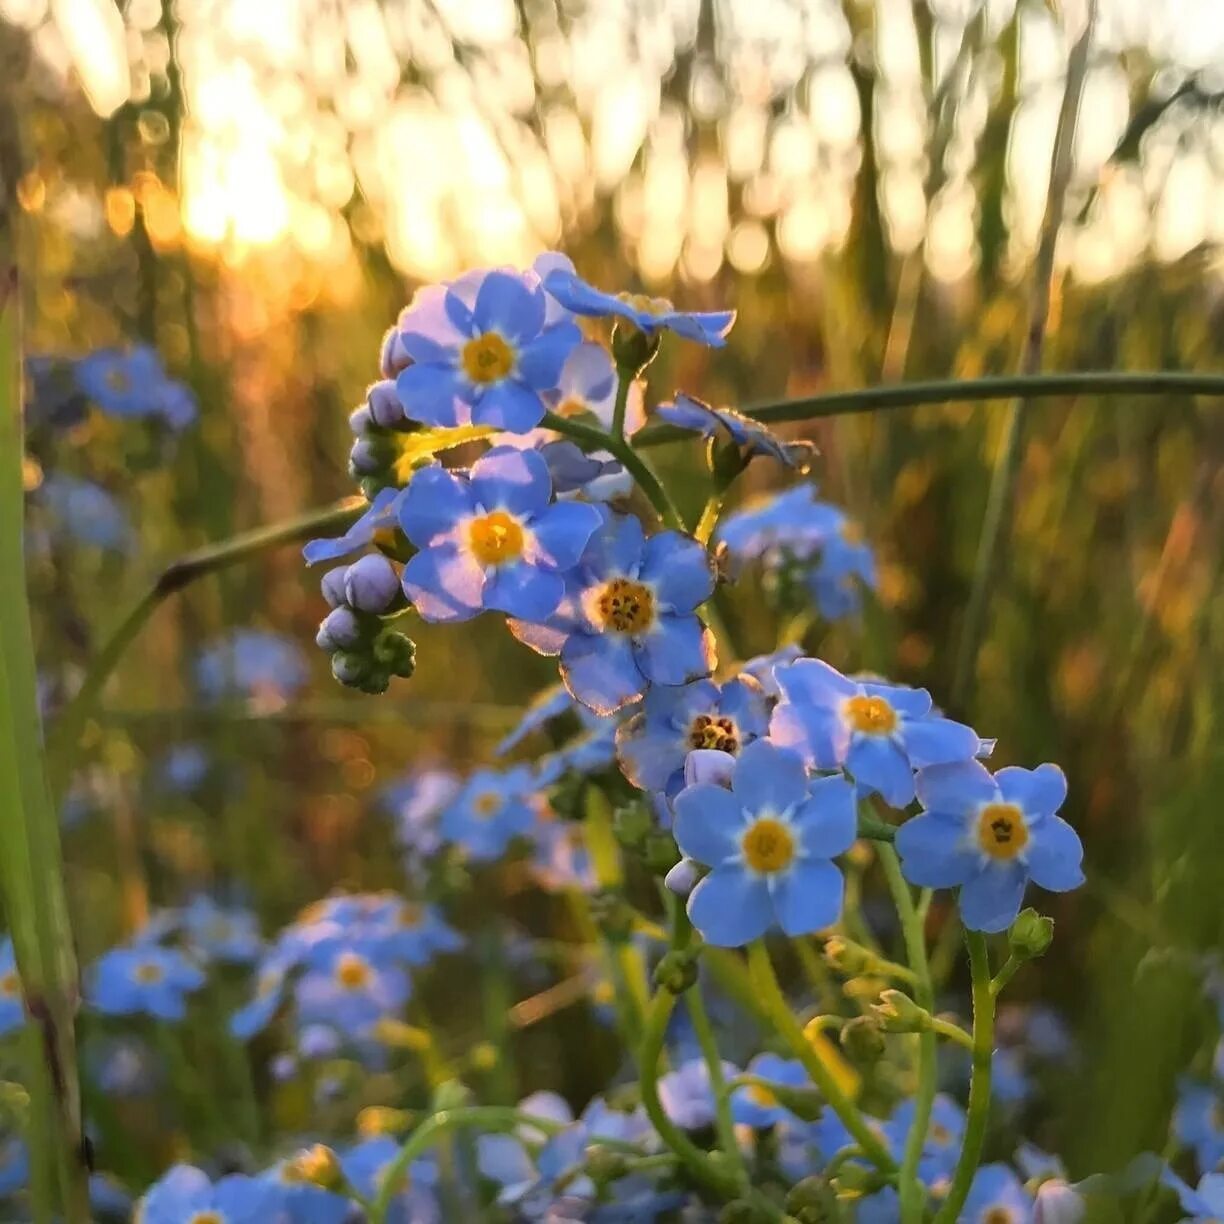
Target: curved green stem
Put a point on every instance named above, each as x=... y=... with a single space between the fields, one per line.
x=724 y=1123
x=979 y=1086
x=1005 y=975
x=911 y=1190
x=624 y=382
x=771 y=996
x=953 y=1032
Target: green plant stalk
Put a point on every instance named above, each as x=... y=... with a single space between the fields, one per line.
x=724 y=1123
x=978 y=1114
x=1010 y=967
x=910 y=1188
x=1002 y=492
x=953 y=1032
x=787 y=1027
x=624 y=383
x=31 y=864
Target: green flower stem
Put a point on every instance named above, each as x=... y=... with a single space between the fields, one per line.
x=953 y=1032
x=876 y=830
x=624 y=383
x=1002 y=491
x=1010 y=967
x=709 y=518
x=66 y=733
x=724 y=1123
x=498 y=1118
x=785 y=1024
x=912 y=1192
x=979 y=1086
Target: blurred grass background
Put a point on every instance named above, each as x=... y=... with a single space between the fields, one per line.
x=256 y=189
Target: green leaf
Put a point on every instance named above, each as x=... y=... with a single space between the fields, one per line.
x=418 y=448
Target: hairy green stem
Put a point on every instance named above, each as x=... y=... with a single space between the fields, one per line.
x=624 y=383
x=1010 y=967
x=1007 y=464
x=978 y=1114
x=724 y=1123
x=953 y=1032
x=787 y=1027
x=910 y=1188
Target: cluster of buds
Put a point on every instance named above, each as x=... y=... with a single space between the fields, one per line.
x=366 y=649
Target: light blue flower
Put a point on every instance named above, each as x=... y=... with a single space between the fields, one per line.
x=769 y=842
x=561 y=859
x=14 y=1166
x=84 y=512
x=184 y=768
x=185 y=1194
x=489 y=811
x=383 y=515
x=491 y=540
x=942 y=1145
x=1198 y=1122
x=880 y=733
x=687 y=1096
x=230 y=935
x=989 y=836
x=996 y=1197
x=1009 y=1083
x=483 y=351
x=348 y=991
x=135 y=384
x=629 y=618
x=753 y=438
x=12 y=1010
x=415 y=1202
x=790 y=524
x=416 y=805
x=846 y=567
x=754 y=1105
x=145 y=979
x=1206 y=1203
x=646 y=313
x=252 y=663
x=674 y=721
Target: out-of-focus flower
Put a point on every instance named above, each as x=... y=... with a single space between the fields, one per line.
x=752 y=438
x=348 y=991
x=1198 y=1122
x=12 y=1009
x=185 y=1194
x=490 y=810
x=383 y=515
x=135 y=384
x=687 y=1096
x=230 y=935
x=755 y=1105
x=251 y=663
x=82 y=511
x=143 y=979
x=1205 y=1203
x=997 y=1196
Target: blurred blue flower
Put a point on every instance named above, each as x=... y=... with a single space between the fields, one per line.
x=880 y=733
x=255 y=1016
x=490 y=810
x=135 y=384
x=845 y=567
x=382 y=515
x=646 y=313
x=415 y=1202
x=942 y=1145
x=14 y=1165
x=676 y=720
x=483 y=351
x=123 y=1066
x=145 y=979
x=183 y=768
x=997 y=1197
x=990 y=836
x=1036 y=1027
x=348 y=992
x=493 y=539
x=1198 y=1122
x=184 y=1194
x=230 y=935
x=82 y=511
x=1009 y=1084
x=12 y=1009
x=561 y=859
x=754 y=1105
x=548 y=705
x=629 y=619
x=594 y=476
x=688 y=412
x=108 y=1199
x=251 y=663
x=687 y=1096
x=769 y=842
x=1206 y=1203
x=416 y=805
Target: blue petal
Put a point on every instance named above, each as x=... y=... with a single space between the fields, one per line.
x=524 y=591
x=433 y=504
x=932 y=853
x=912 y=702
x=1040 y=791
x=1054 y=854
x=616 y=548
x=769 y=778
x=828 y=822
x=426 y=330
x=705 y=327
x=505 y=304
x=600 y=671
x=818 y=734
x=540 y=362
x=814 y=682
x=561 y=533
x=648 y=753
x=730 y=907
x=938 y=741
x=678 y=649
x=506 y=478
x=508 y=405
x=878 y=764
x=679 y=569
x=709 y=823
x=444 y=583
x=430 y=394
x=990 y=900
x=957 y=789
x=808 y=897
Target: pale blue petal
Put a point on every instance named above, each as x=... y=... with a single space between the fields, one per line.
x=600 y=671
x=617 y=547
x=1054 y=855
x=434 y=502
x=523 y=591
x=517 y=481
x=444 y=584
x=814 y=682
x=678 y=649
x=427 y=331
x=956 y=789
x=938 y=741
x=543 y=639
x=808 y=897
x=768 y=778
x=561 y=533
x=932 y=853
x=1041 y=791
x=828 y=822
x=649 y=754
x=709 y=824
x=730 y=907
x=430 y=394
x=508 y=405
x=912 y=702
x=679 y=569
x=506 y=305
x=818 y=734
x=878 y=764
x=991 y=900
x=541 y=361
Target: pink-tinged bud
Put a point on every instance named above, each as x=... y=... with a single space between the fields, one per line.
x=384 y=404
x=682 y=878
x=708 y=765
x=1058 y=1203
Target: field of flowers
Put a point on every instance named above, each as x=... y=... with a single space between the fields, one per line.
x=731 y=742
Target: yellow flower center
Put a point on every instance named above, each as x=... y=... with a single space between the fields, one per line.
x=707 y=731
x=572 y=407
x=941 y=1134
x=998 y=1215
x=761 y=1096
x=871 y=715
x=1002 y=832
x=315 y=1165
x=624 y=606
x=768 y=846
x=495 y=538
x=117 y=379
x=487 y=359
x=411 y=915
x=207 y=1217
x=646 y=304
x=852 y=533
x=10 y=985
x=352 y=971
x=149 y=973
x=487 y=805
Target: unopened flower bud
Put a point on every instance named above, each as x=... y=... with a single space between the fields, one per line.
x=316 y=1166
x=350 y=668
x=812 y=1201
x=342 y=628
x=726 y=460
x=1058 y=1203
x=360 y=420
x=332 y=586
x=613 y=914
x=683 y=877
x=898 y=1013
x=603 y=1165
x=708 y=765
x=848 y=957
x=372 y=584
x=384 y=404
x=367 y=456
x=1031 y=935
x=863 y=1039
x=677 y=971
x=632 y=349
x=377 y=1120
x=396 y=652
x=392 y=356
x=857 y=1179
x=450 y=1094
x=741 y=1211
